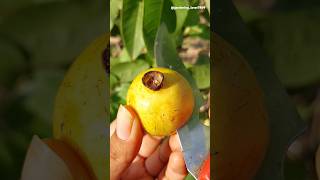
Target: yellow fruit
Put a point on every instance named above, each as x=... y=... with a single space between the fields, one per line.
x=163 y=100
x=240 y=126
x=80 y=112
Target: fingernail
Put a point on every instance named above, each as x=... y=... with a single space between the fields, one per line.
x=124 y=123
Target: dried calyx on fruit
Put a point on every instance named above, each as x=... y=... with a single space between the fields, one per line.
x=153 y=80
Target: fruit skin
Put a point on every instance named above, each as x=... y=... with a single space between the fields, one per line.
x=80 y=112
x=165 y=110
x=42 y=162
x=77 y=167
x=240 y=131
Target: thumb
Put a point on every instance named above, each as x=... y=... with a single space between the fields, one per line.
x=125 y=142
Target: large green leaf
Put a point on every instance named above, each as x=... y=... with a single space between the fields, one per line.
x=157 y=12
x=131 y=26
x=151 y=22
x=180 y=14
x=192 y=18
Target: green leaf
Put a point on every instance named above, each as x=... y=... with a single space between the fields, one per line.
x=122 y=90
x=114 y=107
x=118 y=97
x=151 y=22
x=168 y=16
x=113 y=80
x=194 y=2
x=123 y=57
x=166 y=56
x=115 y=6
x=180 y=14
x=128 y=70
x=192 y=18
x=156 y=12
x=201 y=74
x=131 y=26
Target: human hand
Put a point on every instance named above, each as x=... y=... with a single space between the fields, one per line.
x=137 y=155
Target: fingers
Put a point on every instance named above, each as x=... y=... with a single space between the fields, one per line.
x=125 y=142
x=175 y=169
x=158 y=159
x=174 y=142
x=136 y=170
x=149 y=145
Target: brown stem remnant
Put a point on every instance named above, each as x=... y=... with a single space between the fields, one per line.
x=153 y=80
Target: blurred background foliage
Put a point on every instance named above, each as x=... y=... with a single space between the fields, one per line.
x=39 y=39
x=288 y=31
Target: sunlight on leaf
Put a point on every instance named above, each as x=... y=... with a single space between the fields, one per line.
x=131 y=26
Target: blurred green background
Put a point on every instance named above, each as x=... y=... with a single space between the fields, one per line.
x=288 y=31
x=39 y=39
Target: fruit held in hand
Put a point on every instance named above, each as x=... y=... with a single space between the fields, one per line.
x=163 y=100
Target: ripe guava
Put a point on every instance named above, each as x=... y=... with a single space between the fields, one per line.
x=163 y=100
